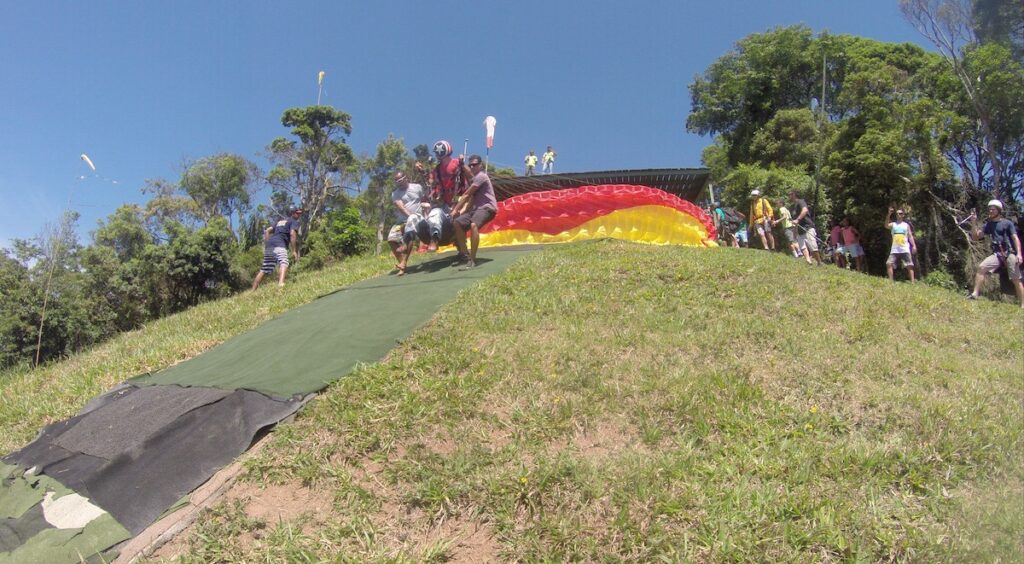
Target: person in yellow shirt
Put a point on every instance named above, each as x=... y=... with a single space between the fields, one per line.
x=531 y=163
x=788 y=227
x=762 y=219
x=548 y=160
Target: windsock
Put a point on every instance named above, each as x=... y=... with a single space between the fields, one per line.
x=489 y=123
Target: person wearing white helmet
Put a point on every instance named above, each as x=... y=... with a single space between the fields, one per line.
x=1006 y=249
x=762 y=219
x=447 y=181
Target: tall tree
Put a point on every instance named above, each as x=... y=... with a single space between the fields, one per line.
x=315 y=166
x=168 y=207
x=950 y=26
x=220 y=185
x=375 y=202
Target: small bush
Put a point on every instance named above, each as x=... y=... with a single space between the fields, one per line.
x=941 y=279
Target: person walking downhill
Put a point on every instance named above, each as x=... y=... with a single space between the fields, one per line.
x=902 y=243
x=447 y=180
x=476 y=208
x=278 y=238
x=407 y=198
x=762 y=218
x=1006 y=249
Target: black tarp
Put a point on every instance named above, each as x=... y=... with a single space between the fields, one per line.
x=135 y=451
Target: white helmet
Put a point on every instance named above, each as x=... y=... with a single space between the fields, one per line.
x=755 y=192
x=996 y=203
x=442 y=149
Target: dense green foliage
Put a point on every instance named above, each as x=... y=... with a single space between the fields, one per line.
x=181 y=248
x=857 y=125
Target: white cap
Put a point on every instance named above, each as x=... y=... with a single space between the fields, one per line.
x=995 y=203
x=755 y=192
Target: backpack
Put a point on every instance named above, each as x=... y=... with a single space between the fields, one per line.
x=733 y=218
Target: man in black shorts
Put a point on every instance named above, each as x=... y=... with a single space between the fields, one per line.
x=476 y=208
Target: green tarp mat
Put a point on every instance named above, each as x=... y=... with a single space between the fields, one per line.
x=36 y=525
x=306 y=348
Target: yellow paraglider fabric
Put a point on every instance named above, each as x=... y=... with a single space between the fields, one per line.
x=658 y=225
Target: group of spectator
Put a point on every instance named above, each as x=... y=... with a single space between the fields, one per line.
x=844 y=240
x=547 y=160
x=799 y=230
x=461 y=201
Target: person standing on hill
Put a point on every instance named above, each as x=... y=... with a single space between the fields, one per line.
x=788 y=227
x=902 y=243
x=718 y=217
x=278 y=238
x=531 y=163
x=851 y=241
x=475 y=209
x=807 y=235
x=838 y=243
x=742 y=240
x=1006 y=249
x=549 y=160
x=762 y=218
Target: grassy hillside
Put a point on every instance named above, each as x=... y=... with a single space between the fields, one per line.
x=614 y=401
x=29 y=399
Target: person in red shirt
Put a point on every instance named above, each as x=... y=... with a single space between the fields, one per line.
x=447 y=181
x=851 y=240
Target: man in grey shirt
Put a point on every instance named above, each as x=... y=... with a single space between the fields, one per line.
x=476 y=208
x=402 y=237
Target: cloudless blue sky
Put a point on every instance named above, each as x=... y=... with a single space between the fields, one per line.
x=142 y=86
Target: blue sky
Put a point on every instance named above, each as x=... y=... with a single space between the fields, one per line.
x=143 y=86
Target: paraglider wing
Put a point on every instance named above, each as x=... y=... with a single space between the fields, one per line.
x=88 y=161
x=634 y=213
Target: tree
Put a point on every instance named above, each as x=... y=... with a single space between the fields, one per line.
x=315 y=167
x=375 y=202
x=166 y=207
x=19 y=301
x=949 y=25
x=124 y=232
x=192 y=267
x=340 y=234
x=741 y=91
x=1001 y=21
x=220 y=185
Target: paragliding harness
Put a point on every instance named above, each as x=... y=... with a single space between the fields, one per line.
x=456 y=183
x=447 y=235
x=732 y=220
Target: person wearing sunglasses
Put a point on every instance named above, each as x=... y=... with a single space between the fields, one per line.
x=902 y=244
x=476 y=208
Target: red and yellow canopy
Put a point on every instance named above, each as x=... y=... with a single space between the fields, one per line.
x=633 y=213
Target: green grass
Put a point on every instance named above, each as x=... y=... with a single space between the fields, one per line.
x=611 y=401
x=30 y=399
x=622 y=402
